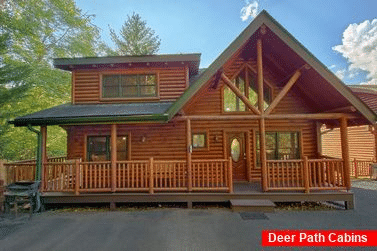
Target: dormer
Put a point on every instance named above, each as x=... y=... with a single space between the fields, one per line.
x=126 y=79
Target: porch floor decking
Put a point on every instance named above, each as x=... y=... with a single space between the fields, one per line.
x=242 y=191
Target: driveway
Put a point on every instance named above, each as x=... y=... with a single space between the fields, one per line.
x=177 y=229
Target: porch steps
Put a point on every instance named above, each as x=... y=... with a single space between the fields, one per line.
x=252 y=205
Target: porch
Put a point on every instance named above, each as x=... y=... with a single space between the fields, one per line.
x=242 y=191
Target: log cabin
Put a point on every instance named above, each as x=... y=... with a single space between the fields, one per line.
x=157 y=125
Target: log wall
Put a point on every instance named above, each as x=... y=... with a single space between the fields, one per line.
x=361 y=143
x=86 y=84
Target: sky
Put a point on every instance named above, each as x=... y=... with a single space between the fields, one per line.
x=341 y=34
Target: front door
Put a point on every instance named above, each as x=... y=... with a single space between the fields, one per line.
x=236 y=150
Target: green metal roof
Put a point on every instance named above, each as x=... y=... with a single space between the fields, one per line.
x=98 y=113
x=114 y=62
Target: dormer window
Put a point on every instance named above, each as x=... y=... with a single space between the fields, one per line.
x=246 y=83
x=129 y=85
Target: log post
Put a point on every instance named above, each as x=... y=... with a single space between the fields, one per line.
x=151 y=175
x=371 y=169
x=230 y=175
x=189 y=154
x=306 y=174
x=113 y=144
x=356 y=171
x=262 y=127
x=78 y=177
x=260 y=76
x=262 y=143
x=345 y=151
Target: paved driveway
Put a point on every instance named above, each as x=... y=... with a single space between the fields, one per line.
x=176 y=229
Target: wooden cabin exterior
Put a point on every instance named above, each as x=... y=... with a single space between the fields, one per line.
x=362 y=138
x=158 y=123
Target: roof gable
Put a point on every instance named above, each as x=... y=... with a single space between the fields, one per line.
x=321 y=72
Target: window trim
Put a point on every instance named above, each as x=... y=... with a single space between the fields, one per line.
x=86 y=150
x=206 y=140
x=138 y=72
x=281 y=130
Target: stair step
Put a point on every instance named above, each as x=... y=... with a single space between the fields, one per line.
x=252 y=205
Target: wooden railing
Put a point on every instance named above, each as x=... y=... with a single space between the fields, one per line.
x=162 y=175
x=170 y=175
x=313 y=174
x=130 y=176
x=19 y=172
x=326 y=174
x=212 y=175
x=24 y=170
x=94 y=176
x=59 y=177
x=361 y=168
x=285 y=174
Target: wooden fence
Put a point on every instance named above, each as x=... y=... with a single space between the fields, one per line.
x=313 y=174
x=361 y=168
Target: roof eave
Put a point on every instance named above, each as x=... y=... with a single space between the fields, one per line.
x=160 y=118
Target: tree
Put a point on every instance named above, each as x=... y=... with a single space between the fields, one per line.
x=33 y=33
x=136 y=38
x=12 y=87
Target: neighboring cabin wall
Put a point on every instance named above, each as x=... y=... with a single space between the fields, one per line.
x=86 y=84
x=360 y=139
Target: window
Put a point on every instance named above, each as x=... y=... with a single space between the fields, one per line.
x=199 y=140
x=280 y=146
x=129 y=86
x=98 y=148
x=235 y=150
x=246 y=83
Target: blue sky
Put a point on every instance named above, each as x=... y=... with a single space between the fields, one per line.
x=209 y=26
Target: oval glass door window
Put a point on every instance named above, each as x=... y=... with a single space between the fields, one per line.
x=235 y=149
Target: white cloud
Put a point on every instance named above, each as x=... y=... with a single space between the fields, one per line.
x=249 y=10
x=359 y=47
x=340 y=73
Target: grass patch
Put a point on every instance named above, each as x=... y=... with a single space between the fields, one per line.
x=303 y=206
x=129 y=207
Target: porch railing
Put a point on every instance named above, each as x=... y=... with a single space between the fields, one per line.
x=130 y=176
x=361 y=168
x=164 y=175
x=313 y=174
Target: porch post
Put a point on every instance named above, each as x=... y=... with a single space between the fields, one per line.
x=345 y=151
x=113 y=144
x=262 y=127
x=189 y=153
x=263 y=158
x=43 y=155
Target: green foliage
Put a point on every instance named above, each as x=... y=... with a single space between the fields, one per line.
x=32 y=33
x=11 y=85
x=136 y=38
